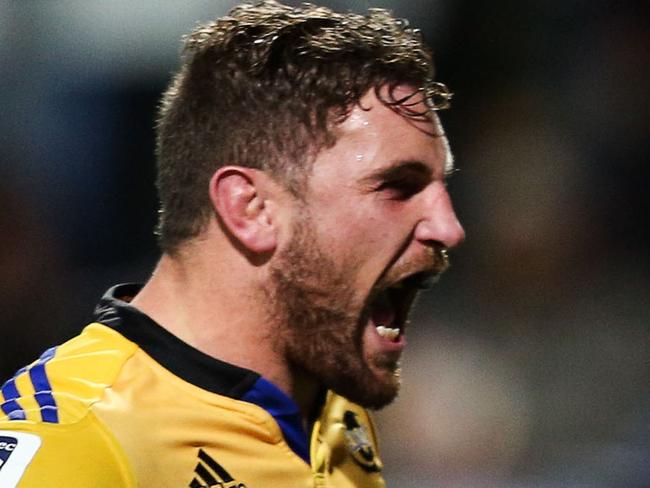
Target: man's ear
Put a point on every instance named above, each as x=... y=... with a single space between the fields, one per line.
x=238 y=196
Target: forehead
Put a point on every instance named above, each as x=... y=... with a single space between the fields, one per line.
x=376 y=135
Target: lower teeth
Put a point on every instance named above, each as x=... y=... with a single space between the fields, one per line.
x=387 y=332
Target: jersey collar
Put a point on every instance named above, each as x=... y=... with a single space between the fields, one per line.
x=198 y=368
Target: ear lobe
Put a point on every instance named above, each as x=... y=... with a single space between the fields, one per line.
x=236 y=196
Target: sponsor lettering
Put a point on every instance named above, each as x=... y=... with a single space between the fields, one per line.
x=7 y=446
x=17 y=449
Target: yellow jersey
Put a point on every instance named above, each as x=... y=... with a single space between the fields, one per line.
x=128 y=404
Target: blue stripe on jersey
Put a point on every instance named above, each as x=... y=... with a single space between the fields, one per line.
x=43 y=389
x=285 y=412
x=10 y=406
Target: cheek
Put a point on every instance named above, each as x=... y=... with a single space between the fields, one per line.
x=357 y=231
x=363 y=235
x=386 y=226
x=370 y=246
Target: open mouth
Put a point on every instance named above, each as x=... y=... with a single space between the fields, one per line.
x=390 y=307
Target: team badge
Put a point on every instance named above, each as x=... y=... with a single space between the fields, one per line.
x=358 y=442
x=17 y=449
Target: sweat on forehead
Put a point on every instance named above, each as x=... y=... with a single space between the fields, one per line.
x=407 y=101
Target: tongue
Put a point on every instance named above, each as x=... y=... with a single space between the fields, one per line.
x=382 y=311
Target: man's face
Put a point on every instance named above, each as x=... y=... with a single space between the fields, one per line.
x=374 y=223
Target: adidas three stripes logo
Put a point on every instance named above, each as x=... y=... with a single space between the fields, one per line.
x=210 y=474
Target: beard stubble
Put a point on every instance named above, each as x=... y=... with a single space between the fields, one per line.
x=320 y=322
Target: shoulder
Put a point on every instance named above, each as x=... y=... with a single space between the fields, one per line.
x=61 y=385
x=48 y=432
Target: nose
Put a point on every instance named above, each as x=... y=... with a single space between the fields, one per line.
x=440 y=223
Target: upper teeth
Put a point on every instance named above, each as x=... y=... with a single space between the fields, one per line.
x=387 y=332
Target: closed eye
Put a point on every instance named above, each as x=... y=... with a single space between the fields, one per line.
x=400 y=180
x=402 y=188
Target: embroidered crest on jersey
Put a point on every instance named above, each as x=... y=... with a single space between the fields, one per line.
x=358 y=442
x=210 y=474
x=17 y=449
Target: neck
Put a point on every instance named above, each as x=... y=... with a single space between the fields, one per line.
x=208 y=312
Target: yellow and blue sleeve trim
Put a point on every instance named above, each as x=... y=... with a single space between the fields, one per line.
x=40 y=382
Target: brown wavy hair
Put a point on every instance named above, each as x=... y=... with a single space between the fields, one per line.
x=264 y=87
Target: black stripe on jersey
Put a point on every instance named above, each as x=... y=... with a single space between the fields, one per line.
x=205 y=475
x=218 y=469
x=195 y=367
x=204 y=478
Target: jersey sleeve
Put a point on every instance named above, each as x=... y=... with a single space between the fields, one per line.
x=79 y=455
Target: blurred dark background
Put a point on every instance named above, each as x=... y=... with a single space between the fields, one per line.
x=528 y=365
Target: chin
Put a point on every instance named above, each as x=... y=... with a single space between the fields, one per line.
x=375 y=391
